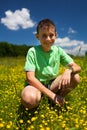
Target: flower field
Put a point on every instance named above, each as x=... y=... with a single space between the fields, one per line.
x=73 y=116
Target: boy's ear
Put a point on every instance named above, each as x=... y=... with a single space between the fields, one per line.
x=37 y=36
x=56 y=34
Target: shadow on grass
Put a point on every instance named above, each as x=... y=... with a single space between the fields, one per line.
x=24 y=115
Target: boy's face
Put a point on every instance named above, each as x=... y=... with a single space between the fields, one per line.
x=46 y=36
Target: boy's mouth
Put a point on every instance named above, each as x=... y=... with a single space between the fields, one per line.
x=48 y=44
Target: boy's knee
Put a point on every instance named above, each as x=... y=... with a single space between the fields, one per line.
x=76 y=78
x=30 y=99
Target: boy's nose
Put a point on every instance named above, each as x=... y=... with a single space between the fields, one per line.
x=48 y=38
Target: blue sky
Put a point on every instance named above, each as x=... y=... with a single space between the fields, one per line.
x=18 y=20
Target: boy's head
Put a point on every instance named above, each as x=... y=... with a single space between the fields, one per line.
x=46 y=33
x=45 y=22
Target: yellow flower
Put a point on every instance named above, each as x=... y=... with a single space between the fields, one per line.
x=47 y=128
x=60 y=117
x=1 y=125
x=45 y=123
x=40 y=125
x=0 y=119
x=66 y=128
x=42 y=129
x=26 y=109
x=81 y=121
x=8 y=126
x=28 y=121
x=33 y=118
x=63 y=125
x=10 y=122
x=77 y=125
x=84 y=111
x=21 y=121
x=42 y=116
x=36 y=112
x=31 y=127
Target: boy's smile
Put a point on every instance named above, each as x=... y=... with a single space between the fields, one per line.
x=46 y=36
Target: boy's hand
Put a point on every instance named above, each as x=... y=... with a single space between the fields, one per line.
x=65 y=79
x=59 y=100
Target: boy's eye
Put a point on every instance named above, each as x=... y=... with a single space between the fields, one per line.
x=44 y=36
x=51 y=35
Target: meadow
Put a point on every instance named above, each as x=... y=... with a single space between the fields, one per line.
x=73 y=116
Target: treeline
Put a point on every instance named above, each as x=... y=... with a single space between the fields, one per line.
x=11 y=50
x=14 y=50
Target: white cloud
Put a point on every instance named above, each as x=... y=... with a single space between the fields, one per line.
x=74 y=47
x=19 y=18
x=71 y=31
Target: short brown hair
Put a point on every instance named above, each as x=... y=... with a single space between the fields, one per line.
x=46 y=22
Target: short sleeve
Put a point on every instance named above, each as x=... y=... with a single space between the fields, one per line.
x=30 y=60
x=65 y=59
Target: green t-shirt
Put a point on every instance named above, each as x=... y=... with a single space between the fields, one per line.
x=46 y=64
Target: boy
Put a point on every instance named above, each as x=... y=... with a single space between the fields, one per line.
x=42 y=66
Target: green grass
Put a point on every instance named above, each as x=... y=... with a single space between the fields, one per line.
x=73 y=116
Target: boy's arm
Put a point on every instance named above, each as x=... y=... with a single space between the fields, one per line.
x=30 y=75
x=75 y=68
x=65 y=79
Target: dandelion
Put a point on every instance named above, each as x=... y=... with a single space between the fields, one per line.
x=47 y=128
x=86 y=99
x=8 y=126
x=63 y=125
x=66 y=128
x=28 y=121
x=40 y=125
x=1 y=125
x=45 y=124
x=77 y=125
x=42 y=116
x=36 y=112
x=60 y=117
x=26 y=109
x=42 y=129
x=33 y=119
x=31 y=127
x=76 y=120
x=84 y=124
x=81 y=121
x=10 y=114
x=1 y=119
x=21 y=121
x=84 y=112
